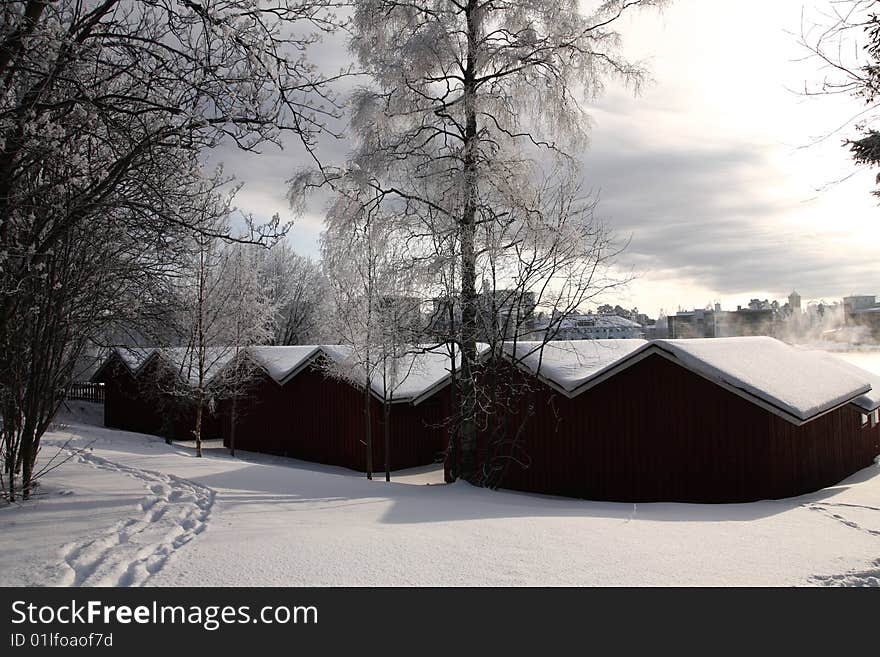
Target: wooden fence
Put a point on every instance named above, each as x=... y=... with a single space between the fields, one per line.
x=91 y=392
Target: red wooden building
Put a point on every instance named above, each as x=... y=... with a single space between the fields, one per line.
x=294 y=408
x=715 y=420
x=145 y=391
x=124 y=405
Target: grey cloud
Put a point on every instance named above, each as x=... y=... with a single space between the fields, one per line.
x=702 y=215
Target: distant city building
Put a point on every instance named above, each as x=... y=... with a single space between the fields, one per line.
x=659 y=329
x=758 y=319
x=859 y=302
x=862 y=310
x=794 y=302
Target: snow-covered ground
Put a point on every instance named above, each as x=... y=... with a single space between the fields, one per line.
x=130 y=510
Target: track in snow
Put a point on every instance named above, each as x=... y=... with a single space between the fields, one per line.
x=134 y=549
x=824 y=509
x=867 y=577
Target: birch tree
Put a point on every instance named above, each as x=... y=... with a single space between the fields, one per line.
x=375 y=310
x=469 y=101
x=223 y=309
x=348 y=250
x=252 y=316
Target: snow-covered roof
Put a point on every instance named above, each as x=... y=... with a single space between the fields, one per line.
x=796 y=384
x=616 y=320
x=869 y=401
x=800 y=384
x=570 y=364
x=282 y=363
x=185 y=361
x=412 y=377
x=134 y=357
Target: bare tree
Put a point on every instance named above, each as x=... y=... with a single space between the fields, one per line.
x=399 y=326
x=67 y=297
x=105 y=106
x=298 y=290
x=845 y=41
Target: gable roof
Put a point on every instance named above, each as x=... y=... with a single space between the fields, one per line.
x=280 y=363
x=420 y=374
x=284 y=362
x=794 y=384
x=132 y=358
x=183 y=361
x=797 y=385
x=567 y=365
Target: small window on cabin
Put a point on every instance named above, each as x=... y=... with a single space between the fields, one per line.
x=864 y=420
x=875 y=418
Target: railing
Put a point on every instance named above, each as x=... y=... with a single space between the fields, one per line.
x=91 y=392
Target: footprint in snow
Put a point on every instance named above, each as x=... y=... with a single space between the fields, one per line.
x=175 y=511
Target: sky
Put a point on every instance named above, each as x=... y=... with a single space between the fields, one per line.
x=728 y=181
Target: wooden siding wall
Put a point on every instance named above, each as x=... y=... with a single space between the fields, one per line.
x=657 y=432
x=138 y=404
x=319 y=419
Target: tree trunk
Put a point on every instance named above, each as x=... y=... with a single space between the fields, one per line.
x=27 y=449
x=450 y=472
x=388 y=440
x=232 y=420
x=27 y=468
x=10 y=468
x=368 y=419
x=467 y=227
x=198 y=431
x=493 y=433
x=200 y=344
x=167 y=423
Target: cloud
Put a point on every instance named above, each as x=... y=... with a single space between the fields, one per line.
x=713 y=214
